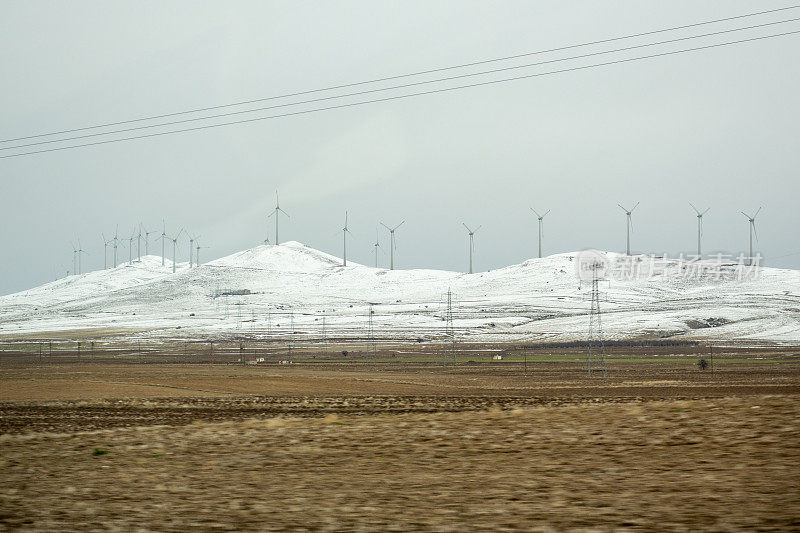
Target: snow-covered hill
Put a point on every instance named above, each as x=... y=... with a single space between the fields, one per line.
x=267 y=288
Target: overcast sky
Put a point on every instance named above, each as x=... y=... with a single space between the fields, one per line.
x=717 y=127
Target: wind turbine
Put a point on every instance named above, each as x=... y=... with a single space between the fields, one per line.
x=191 y=246
x=629 y=226
x=752 y=220
x=471 y=245
x=130 y=246
x=74 y=258
x=277 y=212
x=116 y=241
x=163 y=239
x=391 y=244
x=345 y=231
x=699 y=225
x=376 y=246
x=174 y=248
x=139 y=243
x=80 y=252
x=147 y=241
x=540 y=217
x=197 y=252
x=105 y=251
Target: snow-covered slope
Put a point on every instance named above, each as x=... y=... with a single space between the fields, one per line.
x=267 y=288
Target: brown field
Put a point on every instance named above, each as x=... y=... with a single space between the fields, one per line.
x=657 y=444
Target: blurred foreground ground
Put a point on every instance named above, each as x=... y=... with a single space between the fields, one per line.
x=402 y=447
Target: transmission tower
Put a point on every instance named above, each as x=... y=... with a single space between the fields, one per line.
x=449 y=330
x=596 y=356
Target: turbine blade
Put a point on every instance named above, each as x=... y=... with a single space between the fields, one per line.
x=757 y=212
x=706 y=211
x=695 y=209
x=634 y=207
x=400 y=224
x=545 y=213
x=535 y=212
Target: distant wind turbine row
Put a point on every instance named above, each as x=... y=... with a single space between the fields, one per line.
x=195 y=247
x=471 y=233
x=137 y=234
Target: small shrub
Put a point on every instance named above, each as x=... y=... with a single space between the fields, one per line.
x=99 y=451
x=703 y=364
x=344 y=353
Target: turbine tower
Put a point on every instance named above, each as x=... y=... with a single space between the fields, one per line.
x=629 y=226
x=116 y=242
x=752 y=220
x=139 y=243
x=376 y=246
x=345 y=231
x=277 y=213
x=540 y=217
x=191 y=247
x=197 y=251
x=147 y=241
x=130 y=246
x=74 y=258
x=391 y=244
x=163 y=239
x=699 y=226
x=471 y=245
x=105 y=250
x=175 y=248
x=81 y=251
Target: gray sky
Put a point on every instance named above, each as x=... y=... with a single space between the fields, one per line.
x=718 y=128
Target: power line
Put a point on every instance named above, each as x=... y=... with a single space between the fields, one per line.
x=419 y=73
x=398 y=97
x=394 y=87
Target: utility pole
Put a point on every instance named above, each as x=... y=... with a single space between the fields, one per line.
x=291 y=332
x=324 y=336
x=371 y=334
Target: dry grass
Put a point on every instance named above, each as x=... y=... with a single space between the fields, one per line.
x=404 y=448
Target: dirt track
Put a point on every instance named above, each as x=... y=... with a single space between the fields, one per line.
x=472 y=448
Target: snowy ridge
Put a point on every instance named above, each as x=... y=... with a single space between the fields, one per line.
x=540 y=300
